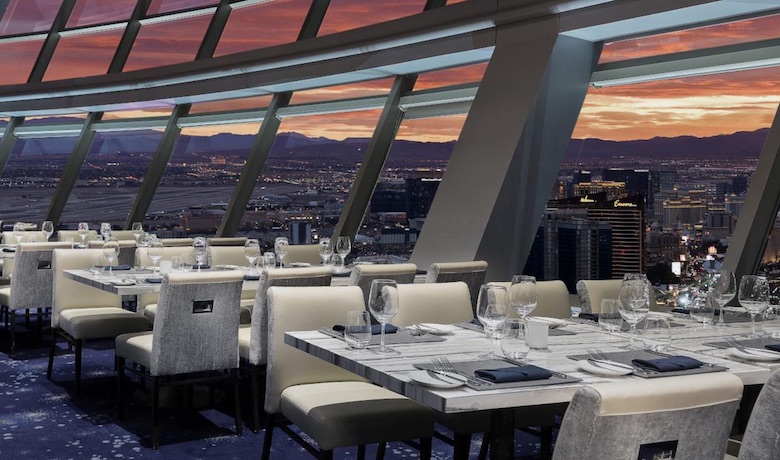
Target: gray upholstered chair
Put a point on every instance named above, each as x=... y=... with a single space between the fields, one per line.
x=31 y=284
x=688 y=415
x=552 y=299
x=363 y=275
x=234 y=255
x=761 y=440
x=590 y=293
x=82 y=313
x=253 y=340
x=227 y=241
x=332 y=406
x=142 y=260
x=472 y=273
x=303 y=254
x=194 y=338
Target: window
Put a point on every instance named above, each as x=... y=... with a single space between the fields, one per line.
x=91 y=12
x=167 y=6
x=83 y=55
x=169 y=42
x=350 y=14
x=18 y=59
x=26 y=16
x=263 y=25
x=348 y=91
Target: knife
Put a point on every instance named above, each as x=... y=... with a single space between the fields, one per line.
x=452 y=378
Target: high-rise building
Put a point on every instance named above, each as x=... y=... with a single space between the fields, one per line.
x=419 y=194
x=638 y=181
x=300 y=232
x=612 y=189
x=739 y=184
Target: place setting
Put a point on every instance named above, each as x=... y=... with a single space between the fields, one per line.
x=643 y=363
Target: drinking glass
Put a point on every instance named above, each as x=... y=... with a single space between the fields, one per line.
x=492 y=312
x=357 y=331
x=252 y=252
x=155 y=253
x=96 y=267
x=722 y=287
x=326 y=251
x=523 y=295
x=754 y=297
x=83 y=230
x=383 y=303
x=513 y=341
x=269 y=260
x=281 y=248
x=18 y=232
x=656 y=333
x=200 y=245
x=343 y=248
x=138 y=232
x=105 y=230
x=634 y=303
x=609 y=315
x=702 y=309
x=48 y=228
x=111 y=252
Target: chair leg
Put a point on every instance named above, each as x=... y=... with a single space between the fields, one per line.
x=269 y=432
x=236 y=400
x=255 y=399
x=483 y=449
x=13 y=333
x=155 y=409
x=119 y=364
x=380 y=450
x=52 y=349
x=546 y=443
x=461 y=446
x=426 y=448
x=361 y=454
x=39 y=327
x=79 y=348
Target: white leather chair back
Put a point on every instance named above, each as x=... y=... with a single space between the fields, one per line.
x=67 y=293
x=445 y=303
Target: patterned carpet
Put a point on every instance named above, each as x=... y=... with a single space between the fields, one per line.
x=42 y=419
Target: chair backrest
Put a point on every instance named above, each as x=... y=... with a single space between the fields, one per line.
x=143 y=260
x=67 y=293
x=288 y=277
x=228 y=255
x=177 y=242
x=691 y=415
x=123 y=235
x=227 y=241
x=63 y=235
x=761 y=440
x=471 y=273
x=590 y=293
x=40 y=237
x=363 y=275
x=196 y=325
x=298 y=309
x=433 y=303
x=303 y=253
x=126 y=251
x=31 y=285
x=552 y=299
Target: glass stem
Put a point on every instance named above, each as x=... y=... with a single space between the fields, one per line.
x=382 y=338
x=753 y=324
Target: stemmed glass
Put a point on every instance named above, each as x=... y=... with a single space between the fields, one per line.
x=83 y=230
x=252 y=252
x=281 y=248
x=110 y=252
x=155 y=252
x=18 y=232
x=492 y=312
x=48 y=228
x=138 y=232
x=754 y=297
x=722 y=288
x=383 y=304
x=343 y=248
x=105 y=231
x=326 y=251
x=523 y=295
x=200 y=245
x=634 y=303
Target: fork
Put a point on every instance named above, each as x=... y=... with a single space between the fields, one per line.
x=442 y=363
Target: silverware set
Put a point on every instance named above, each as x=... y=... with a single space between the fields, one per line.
x=442 y=363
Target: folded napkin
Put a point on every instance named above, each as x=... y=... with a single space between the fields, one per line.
x=375 y=329
x=251 y=277
x=9 y=249
x=154 y=280
x=672 y=363
x=202 y=267
x=514 y=374
x=773 y=347
x=117 y=267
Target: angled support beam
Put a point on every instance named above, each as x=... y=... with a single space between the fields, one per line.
x=72 y=169
x=47 y=50
x=762 y=202
x=128 y=37
x=217 y=25
x=3 y=7
x=8 y=141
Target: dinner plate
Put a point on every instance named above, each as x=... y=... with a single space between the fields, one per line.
x=123 y=282
x=436 y=328
x=604 y=369
x=446 y=382
x=754 y=354
x=551 y=322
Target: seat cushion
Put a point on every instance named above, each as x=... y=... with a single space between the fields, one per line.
x=137 y=347
x=244 y=334
x=245 y=315
x=5 y=296
x=101 y=322
x=338 y=414
x=149 y=312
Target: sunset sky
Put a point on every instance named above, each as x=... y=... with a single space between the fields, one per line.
x=702 y=106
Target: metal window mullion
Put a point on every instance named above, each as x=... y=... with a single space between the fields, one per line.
x=128 y=37
x=8 y=141
x=214 y=32
x=52 y=39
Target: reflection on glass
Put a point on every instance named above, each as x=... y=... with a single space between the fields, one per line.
x=182 y=40
x=24 y=16
x=348 y=14
x=242 y=33
x=89 y=12
x=167 y=6
x=83 y=55
x=18 y=60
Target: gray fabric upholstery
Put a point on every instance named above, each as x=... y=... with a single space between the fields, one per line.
x=471 y=273
x=363 y=275
x=612 y=421
x=31 y=285
x=762 y=438
x=245 y=316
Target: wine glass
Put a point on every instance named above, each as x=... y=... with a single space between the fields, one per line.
x=200 y=245
x=722 y=288
x=105 y=231
x=111 y=252
x=155 y=253
x=492 y=312
x=48 y=228
x=252 y=252
x=523 y=295
x=83 y=230
x=269 y=260
x=18 y=232
x=754 y=297
x=634 y=303
x=609 y=315
x=383 y=303
x=281 y=248
x=343 y=248
x=138 y=232
x=326 y=251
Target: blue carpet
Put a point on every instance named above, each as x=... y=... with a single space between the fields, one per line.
x=42 y=419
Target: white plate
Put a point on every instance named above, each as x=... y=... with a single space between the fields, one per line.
x=227 y=267
x=606 y=370
x=436 y=328
x=551 y=322
x=123 y=282
x=423 y=378
x=754 y=354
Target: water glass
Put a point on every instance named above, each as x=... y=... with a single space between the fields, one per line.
x=252 y=252
x=96 y=265
x=702 y=309
x=523 y=295
x=771 y=322
x=269 y=260
x=105 y=230
x=656 y=333
x=18 y=232
x=754 y=297
x=343 y=248
x=83 y=230
x=326 y=250
x=609 y=315
x=281 y=248
x=357 y=331
x=513 y=339
x=200 y=245
x=48 y=228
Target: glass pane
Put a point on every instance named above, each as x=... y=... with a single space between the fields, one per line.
x=18 y=60
x=249 y=28
x=83 y=55
x=348 y=91
x=167 y=43
x=167 y=6
x=199 y=180
x=75 y=118
x=110 y=177
x=351 y=14
x=448 y=77
x=25 y=16
x=247 y=103
x=143 y=110
x=90 y=12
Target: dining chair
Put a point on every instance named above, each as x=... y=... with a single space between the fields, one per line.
x=29 y=237
x=227 y=241
x=332 y=406
x=303 y=254
x=761 y=440
x=123 y=235
x=82 y=313
x=590 y=293
x=363 y=275
x=253 y=340
x=73 y=235
x=126 y=251
x=149 y=300
x=470 y=272
x=194 y=339
x=686 y=417
x=446 y=303
x=30 y=287
x=177 y=242
x=552 y=299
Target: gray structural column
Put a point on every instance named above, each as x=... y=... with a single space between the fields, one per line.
x=8 y=141
x=128 y=37
x=491 y=137
x=47 y=50
x=757 y=217
x=217 y=25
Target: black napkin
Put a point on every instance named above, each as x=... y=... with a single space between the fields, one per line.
x=773 y=347
x=251 y=277
x=154 y=280
x=202 y=267
x=514 y=374
x=9 y=249
x=672 y=363
x=590 y=316
x=375 y=329
x=117 y=267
